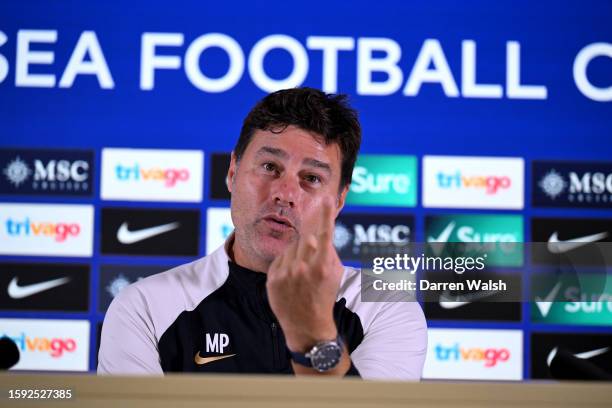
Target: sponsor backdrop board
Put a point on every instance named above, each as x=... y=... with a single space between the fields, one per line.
x=49 y=344
x=44 y=287
x=474 y=354
x=117 y=124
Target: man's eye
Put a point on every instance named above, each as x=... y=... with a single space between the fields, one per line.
x=269 y=167
x=311 y=178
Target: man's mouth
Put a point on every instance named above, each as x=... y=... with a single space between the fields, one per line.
x=278 y=223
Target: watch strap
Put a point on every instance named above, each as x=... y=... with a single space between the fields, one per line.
x=304 y=358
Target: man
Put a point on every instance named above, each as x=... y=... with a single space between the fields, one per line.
x=275 y=298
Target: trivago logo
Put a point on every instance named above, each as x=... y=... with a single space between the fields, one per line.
x=474 y=354
x=491 y=184
x=489 y=357
x=49 y=344
x=473 y=182
x=46 y=229
x=384 y=180
x=58 y=231
x=168 y=176
x=55 y=347
x=152 y=175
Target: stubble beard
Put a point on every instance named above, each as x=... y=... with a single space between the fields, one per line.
x=255 y=243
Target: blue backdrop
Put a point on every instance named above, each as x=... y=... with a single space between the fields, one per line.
x=568 y=123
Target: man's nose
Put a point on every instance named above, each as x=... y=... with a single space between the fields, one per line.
x=286 y=190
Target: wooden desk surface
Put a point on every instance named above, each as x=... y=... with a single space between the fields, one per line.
x=271 y=391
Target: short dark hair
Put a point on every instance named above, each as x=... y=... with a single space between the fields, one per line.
x=328 y=115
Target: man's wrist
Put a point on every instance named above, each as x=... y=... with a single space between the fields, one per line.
x=323 y=357
x=303 y=341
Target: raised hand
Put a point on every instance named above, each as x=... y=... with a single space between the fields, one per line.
x=303 y=284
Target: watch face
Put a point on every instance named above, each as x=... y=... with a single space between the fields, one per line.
x=326 y=356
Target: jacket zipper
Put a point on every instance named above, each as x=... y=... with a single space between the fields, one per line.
x=275 y=358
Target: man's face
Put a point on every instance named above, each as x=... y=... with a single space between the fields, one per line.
x=278 y=188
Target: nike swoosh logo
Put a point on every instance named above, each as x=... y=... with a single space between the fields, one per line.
x=545 y=304
x=127 y=237
x=19 y=292
x=441 y=239
x=205 y=360
x=584 y=355
x=557 y=246
x=448 y=302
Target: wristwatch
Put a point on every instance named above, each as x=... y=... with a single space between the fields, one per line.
x=324 y=356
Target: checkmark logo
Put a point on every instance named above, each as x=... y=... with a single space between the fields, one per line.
x=438 y=243
x=127 y=237
x=453 y=302
x=199 y=360
x=557 y=246
x=545 y=304
x=584 y=355
x=16 y=291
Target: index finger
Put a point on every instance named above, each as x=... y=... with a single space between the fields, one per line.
x=325 y=230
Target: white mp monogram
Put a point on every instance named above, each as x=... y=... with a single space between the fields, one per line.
x=216 y=342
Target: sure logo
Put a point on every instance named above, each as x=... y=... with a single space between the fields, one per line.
x=366 y=182
x=381 y=180
x=58 y=231
x=495 y=235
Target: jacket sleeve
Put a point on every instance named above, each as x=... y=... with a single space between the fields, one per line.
x=128 y=344
x=394 y=345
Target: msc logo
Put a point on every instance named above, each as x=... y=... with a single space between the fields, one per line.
x=490 y=356
x=352 y=231
x=396 y=234
x=216 y=343
x=553 y=183
x=46 y=172
x=572 y=184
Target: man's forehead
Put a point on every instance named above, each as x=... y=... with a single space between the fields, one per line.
x=294 y=143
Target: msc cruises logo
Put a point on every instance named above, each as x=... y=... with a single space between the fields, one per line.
x=572 y=184
x=46 y=172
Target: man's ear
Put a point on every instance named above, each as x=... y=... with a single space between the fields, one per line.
x=231 y=172
x=342 y=199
